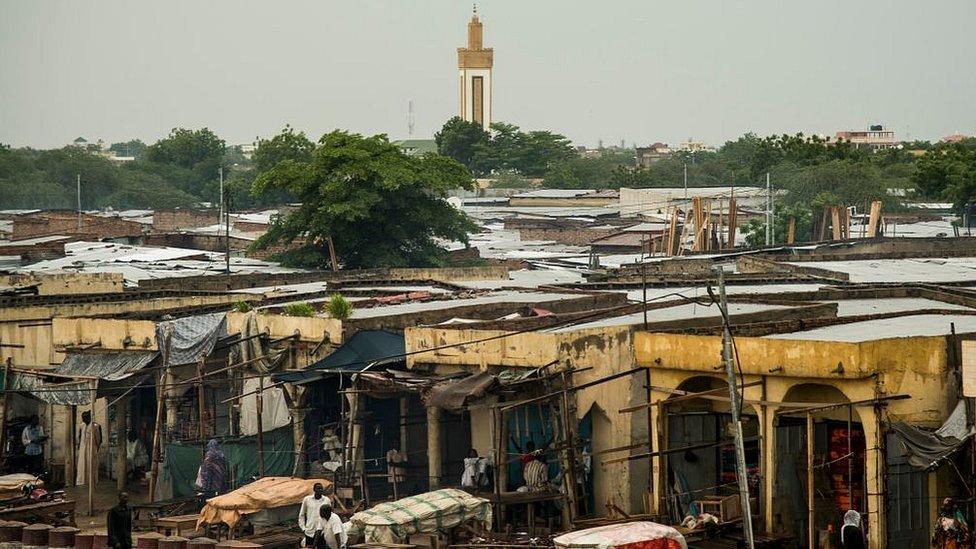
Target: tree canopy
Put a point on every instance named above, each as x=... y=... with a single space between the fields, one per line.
x=529 y=154
x=379 y=206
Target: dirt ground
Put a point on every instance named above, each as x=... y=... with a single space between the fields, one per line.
x=104 y=497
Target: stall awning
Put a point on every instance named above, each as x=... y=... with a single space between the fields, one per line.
x=454 y=394
x=366 y=349
x=70 y=383
x=108 y=366
x=925 y=450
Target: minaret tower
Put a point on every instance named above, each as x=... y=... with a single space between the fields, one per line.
x=474 y=70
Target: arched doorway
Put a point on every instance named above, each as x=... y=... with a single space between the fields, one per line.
x=838 y=463
x=595 y=429
x=704 y=426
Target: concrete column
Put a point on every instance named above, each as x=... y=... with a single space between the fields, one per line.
x=767 y=429
x=121 y=438
x=172 y=396
x=435 y=468
x=874 y=471
x=657 y=490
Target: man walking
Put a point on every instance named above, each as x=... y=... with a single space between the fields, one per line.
x=34 y=439
x=120 y=524
x=308 y=514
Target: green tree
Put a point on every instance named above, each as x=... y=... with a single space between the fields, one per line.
x=948 y=171
x=133 y=147
x=459 y=140
x=755 y=229
x=381 y=207
x=187 y=148
x=287 y=145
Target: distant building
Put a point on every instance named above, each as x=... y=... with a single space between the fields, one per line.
x=80 y=142
x=416 y=147
x=645 y=156
x=876 y=137
x=474 y=71
x=691 y=146
x=954 y=138
x=247 y=149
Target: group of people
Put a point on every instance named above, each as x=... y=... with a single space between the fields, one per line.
x=89 y=441
x=323 y=529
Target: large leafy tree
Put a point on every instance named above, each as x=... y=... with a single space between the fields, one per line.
x=381 y=207
x=187 y=148
x=133 y=147
x=461 y=140
x=287 y=145
x=948 y=171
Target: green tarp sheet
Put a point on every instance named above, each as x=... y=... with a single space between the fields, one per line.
x=183 y=460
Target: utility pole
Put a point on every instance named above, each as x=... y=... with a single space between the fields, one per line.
x=740 y=451
x=220 y=172
x=769 y=213
x=226 y=224
x=79 y=203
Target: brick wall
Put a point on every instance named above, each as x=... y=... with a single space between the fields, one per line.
x=66 y=223
x=575 y=237
x=175 y=220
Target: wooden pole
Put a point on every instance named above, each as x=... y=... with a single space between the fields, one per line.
x=3 y=407
x=332 y=254
x=70 y=467
x=811 y=527
x=733 y=218
x=201 y=408
x=121 y=438
x=434 y=463
x=650 y=431
x=260 y=409
x=569 y=435
x=791 y=231
x=673 y=233
x=835 y=222
x=874 y=219
x=90 y=434
x=158 y=427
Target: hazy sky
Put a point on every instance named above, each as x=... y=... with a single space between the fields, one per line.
x=639 y=70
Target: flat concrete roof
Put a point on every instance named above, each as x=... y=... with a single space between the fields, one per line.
x=885 y=328
x=855 y=307
x=930 y=269
x=679 y=312
x=421 y=306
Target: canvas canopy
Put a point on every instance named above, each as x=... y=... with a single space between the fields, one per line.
x=925 y=450
x=424 y=513
x=264 y=493
x=629 y=535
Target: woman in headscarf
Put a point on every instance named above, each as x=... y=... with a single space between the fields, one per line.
x=213 y=471
x=950 y=528
x=851 y=535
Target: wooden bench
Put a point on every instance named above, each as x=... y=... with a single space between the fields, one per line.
x=43 y=510
x=176 y=523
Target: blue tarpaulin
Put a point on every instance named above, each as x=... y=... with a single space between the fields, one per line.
x=365 y=349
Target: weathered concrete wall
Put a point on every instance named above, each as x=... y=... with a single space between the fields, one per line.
x=106 y=333
x=600 y=351
x=310 y=329
x=809 y=371
x=32 y=326
x=239 y=281
x=67 y=283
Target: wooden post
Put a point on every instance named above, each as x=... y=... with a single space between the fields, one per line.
x=260 y=409
x=201 y=409
x=822 y=229
x=696 y=206
x=434 y=457
x=158 y=427
x=92 y=455
x=121 y=437
x=811 y=527
x=662 y=445
x=835 y=222
x=3 y=406
x=673 y=234
x=332 y=254
x=874 y=219
x=650 y=431
x=791 y=231
x=733 y=218
x=569 y=420
x=70 y=465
